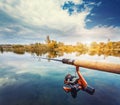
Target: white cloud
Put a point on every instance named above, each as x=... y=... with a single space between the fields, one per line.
x=49 y=18
x=41 y=13
x=61 y=2
x=97 y=33
x=99 y=3
x=7 y=30
x=75 y=1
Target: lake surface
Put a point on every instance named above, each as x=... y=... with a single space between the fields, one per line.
x=27 y=80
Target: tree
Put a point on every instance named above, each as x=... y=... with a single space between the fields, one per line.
x=48 y=39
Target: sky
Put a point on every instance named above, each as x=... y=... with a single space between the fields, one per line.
x=68 y=21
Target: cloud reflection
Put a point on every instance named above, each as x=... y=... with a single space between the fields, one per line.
x=27 y=81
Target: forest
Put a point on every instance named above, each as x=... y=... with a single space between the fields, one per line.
x=55 y=49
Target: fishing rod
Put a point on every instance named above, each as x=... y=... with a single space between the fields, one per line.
x=80 y=83
x=94 y=65
x=53 y=59
x=77 y=84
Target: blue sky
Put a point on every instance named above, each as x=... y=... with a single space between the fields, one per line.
x=70 y=21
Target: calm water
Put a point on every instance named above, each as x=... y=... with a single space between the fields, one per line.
x=26 y=81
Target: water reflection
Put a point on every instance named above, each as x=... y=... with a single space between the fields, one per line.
x=27 y=81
